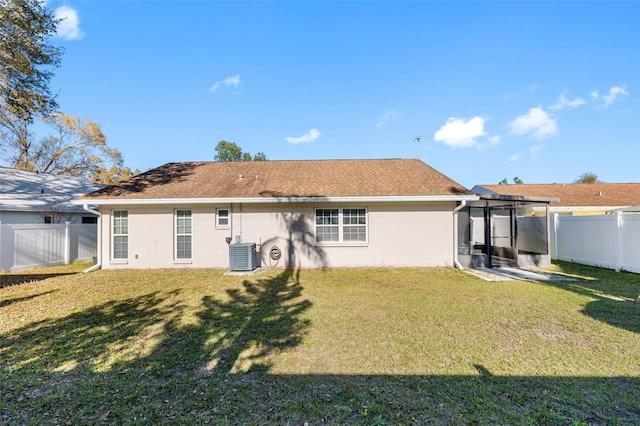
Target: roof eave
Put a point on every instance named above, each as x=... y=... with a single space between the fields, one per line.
x=263 y=200
x=503 y=197
x=585 y=208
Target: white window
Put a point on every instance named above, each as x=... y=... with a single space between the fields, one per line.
x=341 y=225
x=120 y=234
x=222 y=218
x=183 y=234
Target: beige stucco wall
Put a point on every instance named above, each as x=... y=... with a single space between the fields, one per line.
x=410 y=234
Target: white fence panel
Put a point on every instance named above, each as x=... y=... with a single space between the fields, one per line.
x=611 y=241
x=25 y=246
x=38 y=244
x=630 y=246
x=83 y=241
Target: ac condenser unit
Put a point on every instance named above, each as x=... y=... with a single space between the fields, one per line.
x=243 y=257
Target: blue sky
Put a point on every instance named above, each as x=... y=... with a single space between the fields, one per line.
x=544 y=91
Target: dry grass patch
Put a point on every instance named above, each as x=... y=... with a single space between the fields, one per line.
x=371 y=346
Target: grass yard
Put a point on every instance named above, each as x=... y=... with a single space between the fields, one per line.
x=370 y=347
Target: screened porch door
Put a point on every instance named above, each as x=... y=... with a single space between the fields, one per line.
x=503 y=236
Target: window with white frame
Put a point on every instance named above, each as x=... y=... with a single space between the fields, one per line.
x=120 y=234
x=341 y=225
x=222 y=218
x=183 y=234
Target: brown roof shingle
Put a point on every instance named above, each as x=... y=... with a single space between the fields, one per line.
x=289 y=179
x=576 y=194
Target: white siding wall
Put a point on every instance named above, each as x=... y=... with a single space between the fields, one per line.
x=411 y=234
x=11 y=217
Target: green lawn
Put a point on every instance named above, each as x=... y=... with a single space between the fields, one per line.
x=370 y=346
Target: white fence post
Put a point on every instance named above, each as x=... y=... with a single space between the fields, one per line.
x=619 y=242
x=554 y=224
x=1 y=258
x=67 y=242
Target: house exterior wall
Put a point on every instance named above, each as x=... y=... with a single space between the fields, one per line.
x=34 y=217
x=399 y=234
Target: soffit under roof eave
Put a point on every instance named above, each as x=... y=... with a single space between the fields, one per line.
x=183 y=201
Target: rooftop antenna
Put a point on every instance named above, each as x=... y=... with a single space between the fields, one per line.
x=417 y=139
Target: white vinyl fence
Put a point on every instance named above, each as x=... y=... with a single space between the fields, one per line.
x=26 y=246
x=611 y=241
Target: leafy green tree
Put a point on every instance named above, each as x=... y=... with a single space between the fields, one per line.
x=27 y=58
x=516 y=180
x=27 y=61
x=587 y=177
x=229 y=151
x=260 y=157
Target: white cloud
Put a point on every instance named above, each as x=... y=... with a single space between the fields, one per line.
x=534 y=150
x=514 y=157
x=493 y=140
x=389 y=115
x=233 y=80
x=610 y=98
x=69 y=25
x=563 y=103
x=536 y=122
x=460 y=132
x=310 y=136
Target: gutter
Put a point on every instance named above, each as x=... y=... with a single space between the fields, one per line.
x=456 y=262
x=98 y=264
x=266 y=200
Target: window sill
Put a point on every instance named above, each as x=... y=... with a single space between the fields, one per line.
x=119 y=262
x=182 y=261
x=345 y=244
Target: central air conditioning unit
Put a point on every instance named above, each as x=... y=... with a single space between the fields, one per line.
x=243 y=257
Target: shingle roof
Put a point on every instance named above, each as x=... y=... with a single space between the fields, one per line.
x=285 y=179
x=574 y=194
x=22 y=190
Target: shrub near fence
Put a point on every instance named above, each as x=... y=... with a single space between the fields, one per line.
x=611 y=241
x=25 y=246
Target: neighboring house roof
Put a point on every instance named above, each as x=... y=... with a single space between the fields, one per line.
x=604 y=196
x=22 y=190
x=296 y=180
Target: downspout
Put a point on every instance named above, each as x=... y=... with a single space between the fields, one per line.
x=98 y=264
x=456 y=262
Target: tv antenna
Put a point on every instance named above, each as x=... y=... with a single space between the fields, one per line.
x=417 y=139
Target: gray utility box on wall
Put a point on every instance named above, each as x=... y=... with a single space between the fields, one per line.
x=243 y=257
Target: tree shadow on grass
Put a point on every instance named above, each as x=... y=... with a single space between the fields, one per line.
x=238 y=333
x=8 y=302
x=145 y=361
x=11 y=279
x=112 y=359
x=83 y=339
x=614 y=294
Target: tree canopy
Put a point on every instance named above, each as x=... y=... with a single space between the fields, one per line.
x=229 y=151
x=76 y=148
x=516 y=180
x=26 y=59
x=588 y=177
